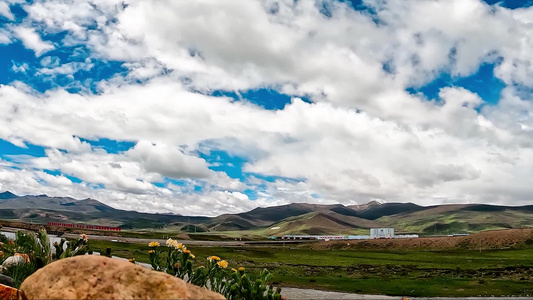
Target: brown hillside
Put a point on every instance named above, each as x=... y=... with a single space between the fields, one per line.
x=496 y=239
x=327 y=222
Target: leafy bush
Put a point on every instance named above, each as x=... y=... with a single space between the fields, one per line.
x=35 y=252
x=31 y=251
x=234 y=284
x=77 y=247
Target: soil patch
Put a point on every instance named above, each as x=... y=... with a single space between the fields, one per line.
x=495 y=239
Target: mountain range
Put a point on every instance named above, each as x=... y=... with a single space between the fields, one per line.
x=295 y=218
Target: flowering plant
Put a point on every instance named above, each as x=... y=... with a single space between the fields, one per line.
x=214 y=275
x=72 y=248
x=31 y=251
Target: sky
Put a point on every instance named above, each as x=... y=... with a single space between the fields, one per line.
x=208 y=107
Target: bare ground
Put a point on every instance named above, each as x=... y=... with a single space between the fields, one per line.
x=496 y=239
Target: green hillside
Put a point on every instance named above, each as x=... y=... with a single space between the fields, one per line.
x=295 y=218
x=460 y=219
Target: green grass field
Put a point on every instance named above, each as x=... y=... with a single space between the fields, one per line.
x=457 y=273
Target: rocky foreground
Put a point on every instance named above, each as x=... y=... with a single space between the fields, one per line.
x=99 y=277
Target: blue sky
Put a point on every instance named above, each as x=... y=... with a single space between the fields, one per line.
x=104 y=101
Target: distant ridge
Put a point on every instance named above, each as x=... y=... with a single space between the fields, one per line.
x=365 y=206
x=387 y=209
x=294 y=218
x=7 y=195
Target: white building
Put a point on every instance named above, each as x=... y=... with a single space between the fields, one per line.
x=381 y=233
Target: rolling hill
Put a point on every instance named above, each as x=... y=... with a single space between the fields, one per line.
x=321 y=223
x=444 y=219
x=43 y=209
x=295 y=218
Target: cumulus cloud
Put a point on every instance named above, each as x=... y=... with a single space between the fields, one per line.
x=5 y=37
x=363 y=137
x=6 y=11
x=168 y=161
x=32 y=40
x=52 y=66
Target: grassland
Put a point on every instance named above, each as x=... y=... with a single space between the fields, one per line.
x=445 y=220
x=458 y=273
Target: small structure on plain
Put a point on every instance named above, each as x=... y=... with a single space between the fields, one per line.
x=381 y=233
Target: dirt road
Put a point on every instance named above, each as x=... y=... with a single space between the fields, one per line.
x=300 y=294
x=235 y=243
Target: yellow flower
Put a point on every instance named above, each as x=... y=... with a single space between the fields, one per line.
x=215 y=258
x=234 y=270
x=153 y=244
x=151 y=251
x=241 y=268
x=186 y=251
x=131 y=259
x=222 y=264
x=192 y=256
x=177 y=265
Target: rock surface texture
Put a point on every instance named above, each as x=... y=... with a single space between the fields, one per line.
x=98 y=277
x=8 y=293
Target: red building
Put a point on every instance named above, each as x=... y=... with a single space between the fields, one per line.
x=83 y=226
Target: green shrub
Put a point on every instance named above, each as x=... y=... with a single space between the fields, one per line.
x=35 y=250
x=234 y=284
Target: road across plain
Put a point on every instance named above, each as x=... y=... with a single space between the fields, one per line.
x=133 y=240
x=301 y=294
x=226 y=243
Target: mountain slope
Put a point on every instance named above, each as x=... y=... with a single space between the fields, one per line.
x=43 y=209
x=460 y=218
x=387 y=209
x=264 y=216
x=365 y=206
x=7 y=195
x=229 y=223
x=323 y=223
x=295 y=218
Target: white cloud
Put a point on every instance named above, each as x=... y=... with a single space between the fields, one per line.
x=6 y=11
x=211 y=202
x=168 y=161
x=66 y=69
x=54 y=180
x=113 y=171
x=20 y=68
x=343 y=155
x=5 y=37
x=32 y=40
x=364 y=138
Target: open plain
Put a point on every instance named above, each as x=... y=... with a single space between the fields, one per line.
x=469 y=266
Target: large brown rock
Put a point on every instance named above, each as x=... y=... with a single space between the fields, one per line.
x=99 y=277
